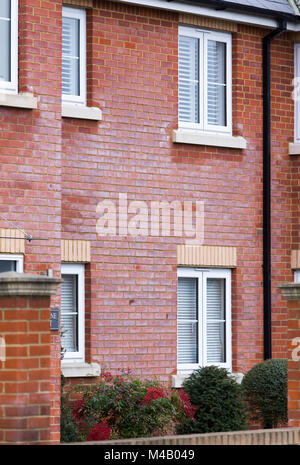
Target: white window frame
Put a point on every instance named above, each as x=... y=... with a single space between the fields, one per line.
x=297 y=93
x=80 y=14
x=79 y=270
x=11 y=87
x=204 y=35
x=202 y=275
x=297 y=276
x=19 y=259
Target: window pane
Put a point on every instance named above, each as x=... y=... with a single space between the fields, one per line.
x=187 y=342
x=8 y=265
x=70 y=57
x=215 y=320
x=187 y=320
x=216 y=83
x=188 y=79
x=5 y=40
x=69 y=313
x=5 y=8
x=215 y=337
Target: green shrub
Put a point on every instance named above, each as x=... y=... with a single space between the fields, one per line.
x=265 y=387
x=123 y=406
x=219 y=402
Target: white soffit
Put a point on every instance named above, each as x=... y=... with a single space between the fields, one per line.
x=243 y=18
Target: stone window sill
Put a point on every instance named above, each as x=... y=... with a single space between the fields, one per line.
x=23 y=100
x=178 y=379
x=81 y=112
x=294 y=148
x=80 y=369
x=189 y=136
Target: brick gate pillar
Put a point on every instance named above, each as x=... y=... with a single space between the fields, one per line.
x=25 y=393
x=292 y=292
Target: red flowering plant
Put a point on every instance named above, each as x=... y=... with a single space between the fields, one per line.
x=123 y=406
x=152 y=394
x=78 y=410
x=187 y=406
x=99 y=432
x=185 y=411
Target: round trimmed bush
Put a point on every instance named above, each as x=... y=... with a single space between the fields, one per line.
x=219 y=401
x=265 y=388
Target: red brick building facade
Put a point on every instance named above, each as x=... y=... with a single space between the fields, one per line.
x=59 y=163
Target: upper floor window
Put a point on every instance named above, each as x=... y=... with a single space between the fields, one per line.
x=9 y=46
x=11 y=263
x=297 y=93
x=203 y=318
x=204 y=80
x=72 y=312
x=74 y=55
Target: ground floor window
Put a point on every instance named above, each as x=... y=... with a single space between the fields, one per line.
x=72 y=312
x=203 y=318
x=11 y=263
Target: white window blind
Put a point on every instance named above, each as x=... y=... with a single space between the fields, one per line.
x=204 y=80
x=215 y=321
x=297 y=93
x=189 y=79
x=72 y=312
x=216 y=83
x=74 y=55
x=187 y=320
x=69 y=313
x=5 y=40
x=203 y=318
x=9 y=46
x=70 y=57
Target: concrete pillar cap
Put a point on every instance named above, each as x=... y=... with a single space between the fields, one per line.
x=25 y=284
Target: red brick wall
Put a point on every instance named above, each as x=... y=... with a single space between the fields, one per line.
x=30 y=149
x=133 y=78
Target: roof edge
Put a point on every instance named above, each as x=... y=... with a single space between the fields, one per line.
x=198 y=7
x=231 y=6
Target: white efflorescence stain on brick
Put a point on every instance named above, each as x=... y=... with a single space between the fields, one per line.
x=2 y=349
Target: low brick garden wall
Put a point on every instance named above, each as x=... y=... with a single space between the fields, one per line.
x=281 y=436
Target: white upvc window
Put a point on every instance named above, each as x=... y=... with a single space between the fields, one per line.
x=72 y=312
x=9 y=46
x=203 y=318
x=10 y=262
x=205 y=80
x=74 y=56
x=297 y=93
x=297 y=276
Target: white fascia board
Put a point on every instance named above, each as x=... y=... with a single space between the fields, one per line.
x=243 y=18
